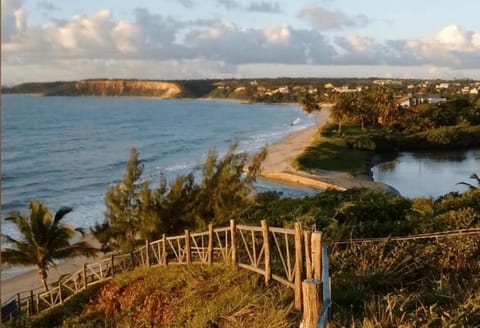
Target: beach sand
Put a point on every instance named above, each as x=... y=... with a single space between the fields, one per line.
x=277 y=166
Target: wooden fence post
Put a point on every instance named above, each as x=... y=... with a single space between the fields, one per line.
x=31 y=302
x=308 y=254
x=38 y=302
x=60 y=292
x=85 y=282
x=164 y=249
x=187 y=247
x=233 y=236
x=312 y=302
x=19 y=306
x=317 y=255
x=298 y=265
x=113 y=265
x=266 y=252
x=210 y=245
x=147 y=253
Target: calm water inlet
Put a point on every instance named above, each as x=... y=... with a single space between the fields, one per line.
x=429 y=173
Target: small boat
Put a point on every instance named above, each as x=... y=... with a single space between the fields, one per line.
x=295 y=122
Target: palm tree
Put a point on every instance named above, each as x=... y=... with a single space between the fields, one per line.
x=43 y=239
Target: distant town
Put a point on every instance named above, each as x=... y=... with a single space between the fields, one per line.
x=408 y=93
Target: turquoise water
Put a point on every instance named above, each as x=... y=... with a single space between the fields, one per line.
x=66 y=151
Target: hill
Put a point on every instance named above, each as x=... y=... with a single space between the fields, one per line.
x=179 y=296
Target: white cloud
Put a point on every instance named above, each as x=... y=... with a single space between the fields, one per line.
x=361 y=44
x=114 y=47
x=277 y=34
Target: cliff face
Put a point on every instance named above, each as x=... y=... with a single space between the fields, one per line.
x=127 y=88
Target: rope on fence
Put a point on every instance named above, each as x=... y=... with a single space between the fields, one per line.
x=452 y=233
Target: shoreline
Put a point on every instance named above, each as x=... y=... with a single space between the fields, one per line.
x=278 y=167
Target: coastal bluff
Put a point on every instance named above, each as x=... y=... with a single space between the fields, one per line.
x=117 y=87
x=127 y=88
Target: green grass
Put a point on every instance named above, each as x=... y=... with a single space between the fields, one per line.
x=183 y=296
x=330 y=152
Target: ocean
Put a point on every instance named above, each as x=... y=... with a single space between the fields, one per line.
x=66 y=151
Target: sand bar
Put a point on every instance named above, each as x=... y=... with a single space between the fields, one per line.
x=280 y=156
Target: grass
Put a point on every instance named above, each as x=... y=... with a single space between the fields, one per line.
x=185 y=296
x=330 y=152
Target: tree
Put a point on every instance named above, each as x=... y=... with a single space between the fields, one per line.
x=122 y=223
x=343 y=109
x=225 y=190
x=386 y=108
x=43 y=239
x=310 y=102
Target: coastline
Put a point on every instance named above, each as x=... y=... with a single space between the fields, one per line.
x=278 y=167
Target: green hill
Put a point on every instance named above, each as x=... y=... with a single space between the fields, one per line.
x=178 y=296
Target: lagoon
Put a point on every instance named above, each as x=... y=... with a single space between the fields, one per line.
x=425 y=174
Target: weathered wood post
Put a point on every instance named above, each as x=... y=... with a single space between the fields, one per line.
x=38 y=302
x=32 y=302
x=233 y=236
x=312 y=302
x=308 y=254
x=210 y=245
x=113 y=265
x=147 y=253
x=85 y=282
x=298 y=265
x=19 y=306
x=266 y=252
x=60 y=292
x=164 y=249
x=317 y=255
x=187 y=247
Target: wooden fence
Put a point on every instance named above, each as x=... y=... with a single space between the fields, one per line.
x=288 y=256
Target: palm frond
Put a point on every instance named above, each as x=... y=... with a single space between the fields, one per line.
x=469 y=185
x=61 y=213
x=16 y=257
x=78 y=249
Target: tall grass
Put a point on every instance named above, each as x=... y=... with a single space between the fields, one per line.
x=188 y=296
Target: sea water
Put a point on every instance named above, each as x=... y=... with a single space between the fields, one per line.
x=66 y=151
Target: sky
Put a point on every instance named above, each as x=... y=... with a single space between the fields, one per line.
x=51 y=40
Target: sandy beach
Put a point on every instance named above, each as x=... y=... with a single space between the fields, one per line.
x=280 y=156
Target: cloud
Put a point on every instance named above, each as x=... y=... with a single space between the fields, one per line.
x=229 y=4
x=324 y=19
x=14 y=19
x=264 y=7
x=117 y=47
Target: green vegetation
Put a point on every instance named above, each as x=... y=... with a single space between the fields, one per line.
x=179 y=296
x=425 y=282
x=135 y=212
x=44 y=239
x=332 y=152
x=386 y=283
x=370 y=122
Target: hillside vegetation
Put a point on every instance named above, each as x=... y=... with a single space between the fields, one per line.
x=178 y=296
